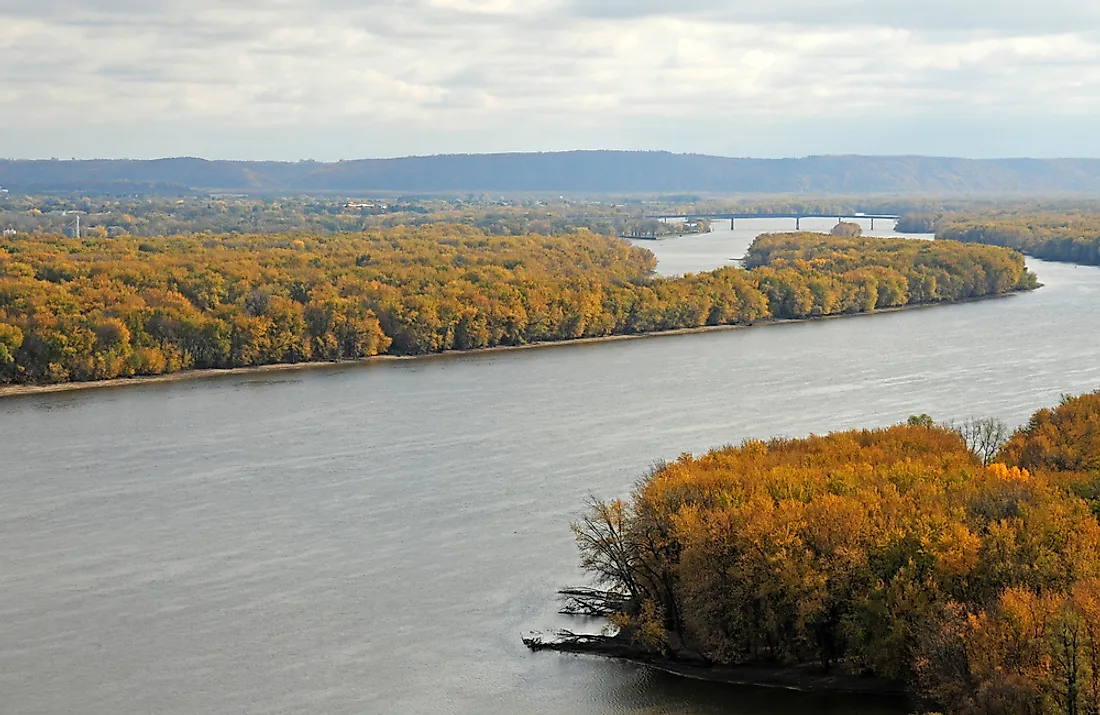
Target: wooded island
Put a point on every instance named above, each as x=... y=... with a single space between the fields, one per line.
x=897 y=555
x=99 y=308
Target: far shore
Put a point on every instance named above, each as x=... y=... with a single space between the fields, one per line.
x=17 y=390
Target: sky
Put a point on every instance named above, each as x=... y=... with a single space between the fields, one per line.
x=344 y=79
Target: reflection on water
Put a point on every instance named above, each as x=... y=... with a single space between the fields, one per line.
x=376 y=539
x=54 y=402
x=664 y=693
x=255 y=382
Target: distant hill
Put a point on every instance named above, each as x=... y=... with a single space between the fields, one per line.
x=575 y=171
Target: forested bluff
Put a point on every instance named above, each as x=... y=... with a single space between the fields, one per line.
x=93 y=309
x=921 y=557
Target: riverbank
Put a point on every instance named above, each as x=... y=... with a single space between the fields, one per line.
x=802 y=678
x=805 y=679
x=21 y=390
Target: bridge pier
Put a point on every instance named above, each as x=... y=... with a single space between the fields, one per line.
x=733 y=224
x=797 y=223
x=872 y=224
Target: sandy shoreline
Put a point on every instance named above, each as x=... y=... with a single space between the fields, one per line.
x=17 y=390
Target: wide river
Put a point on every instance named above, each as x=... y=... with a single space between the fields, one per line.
x=376 y=539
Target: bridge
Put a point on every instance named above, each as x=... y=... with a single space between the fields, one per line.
x=796 y=216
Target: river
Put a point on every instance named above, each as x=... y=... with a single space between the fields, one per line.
x=725 y=247
x=376 y=539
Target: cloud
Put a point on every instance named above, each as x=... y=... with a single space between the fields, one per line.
x=435 y=73
x=1003 y=16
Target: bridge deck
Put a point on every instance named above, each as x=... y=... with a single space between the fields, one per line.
x=733 y=218
x=877 y=217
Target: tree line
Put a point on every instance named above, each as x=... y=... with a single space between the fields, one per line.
x=94 y=308
x=1072 y=237
x=900 y=553
x=183 y=212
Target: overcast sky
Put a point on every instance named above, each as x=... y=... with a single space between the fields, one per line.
x=331 y=79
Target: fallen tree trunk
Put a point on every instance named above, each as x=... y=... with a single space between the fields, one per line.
x=565 y=641
x=591 y=602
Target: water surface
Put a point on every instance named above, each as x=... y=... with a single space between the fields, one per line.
x=376 y=539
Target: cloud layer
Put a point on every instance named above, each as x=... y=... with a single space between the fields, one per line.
x=336 y=78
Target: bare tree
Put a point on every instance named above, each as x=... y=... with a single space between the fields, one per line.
x=607 y=551
x=983 y=437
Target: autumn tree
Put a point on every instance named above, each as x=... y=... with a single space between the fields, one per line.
x=847 y=228
x=911 y=553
